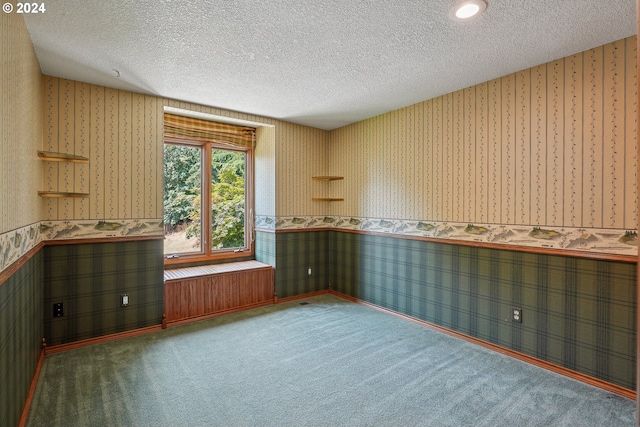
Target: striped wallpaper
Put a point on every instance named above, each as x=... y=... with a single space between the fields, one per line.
x=20 y=126
x=265 y=153
x=301 y=152
x=553 y=145
x=121 y=134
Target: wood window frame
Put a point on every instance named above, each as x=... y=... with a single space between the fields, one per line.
x=207 y=253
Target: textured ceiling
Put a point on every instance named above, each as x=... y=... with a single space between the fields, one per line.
x=323 y=63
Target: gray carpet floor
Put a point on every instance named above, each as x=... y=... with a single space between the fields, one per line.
x=330 y=362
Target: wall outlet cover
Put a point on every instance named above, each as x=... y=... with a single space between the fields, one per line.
x=58 y=309
x=516 y=315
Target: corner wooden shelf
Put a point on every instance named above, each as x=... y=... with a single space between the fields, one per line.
x=327 y=178
x=61 y=194
x=50 y=156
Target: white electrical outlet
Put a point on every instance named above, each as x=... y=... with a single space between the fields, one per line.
x=517 y=315
x=309 y=271
x=125 y=300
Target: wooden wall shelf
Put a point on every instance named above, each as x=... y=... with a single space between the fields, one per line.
x=327 y=178
x=50 y=156
x=61 y=194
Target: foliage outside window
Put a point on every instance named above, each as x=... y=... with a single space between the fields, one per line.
x=207 y=209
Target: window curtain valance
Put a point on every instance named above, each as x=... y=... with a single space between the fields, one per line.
x=192 y=129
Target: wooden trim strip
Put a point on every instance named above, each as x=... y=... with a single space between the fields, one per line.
x=265 y=230
x=220 y=258
x=216 y=314
x=101 y=240
x=98 y=340
x=638 y=206
x=613 y=388
x=17 y=264
x=32 y=389
x=303 y=296
x=303 y=230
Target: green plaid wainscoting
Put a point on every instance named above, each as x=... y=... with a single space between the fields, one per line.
x=577 y=313
x=20 y=336
x=89 y=280
x=265 y=247
x=295 y=254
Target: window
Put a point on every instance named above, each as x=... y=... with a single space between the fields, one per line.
x=208 y=203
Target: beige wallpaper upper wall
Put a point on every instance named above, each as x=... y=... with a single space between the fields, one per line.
x=265 y=176
x=121 y=134
x=551 y=145
x=304 y=155
x=20 y=126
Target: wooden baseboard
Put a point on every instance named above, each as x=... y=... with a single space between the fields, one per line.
x=236 y=310
x=303 y=296
x=216 y=314
x=32 y=389
x=613 y=388
x=106 y=338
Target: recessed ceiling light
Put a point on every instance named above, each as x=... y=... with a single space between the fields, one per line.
x=467 y=10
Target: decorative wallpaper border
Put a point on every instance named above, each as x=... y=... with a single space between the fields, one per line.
x=92 y=229
x=609 y=241
x=265 y=222
x=17 y=243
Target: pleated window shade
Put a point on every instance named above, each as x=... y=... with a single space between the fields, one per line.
x=183 y=128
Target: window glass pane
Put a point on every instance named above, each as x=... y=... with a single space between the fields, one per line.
x=182 y=199
x=227 y=199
